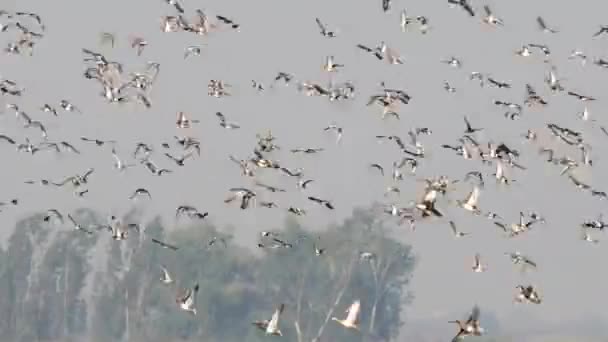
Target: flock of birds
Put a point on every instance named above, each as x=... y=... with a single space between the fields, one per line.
x=118 y=86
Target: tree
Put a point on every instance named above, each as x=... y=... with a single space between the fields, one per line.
x=58 y=284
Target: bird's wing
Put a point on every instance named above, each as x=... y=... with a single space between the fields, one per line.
x=353 y=312
x=473 y=197
x=274 y=321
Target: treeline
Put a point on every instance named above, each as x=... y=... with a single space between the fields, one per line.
x=58 y=284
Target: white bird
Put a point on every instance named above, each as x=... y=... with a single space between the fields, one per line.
x=271 y=327
x=352 y=318
x=478 y=267
x=165 y=277
x=185 y=299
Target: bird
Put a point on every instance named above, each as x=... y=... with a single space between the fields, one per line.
x=519 y=259
x=164 y=244
x=192 y=50
x=325 y=32
x=183 y=121
x=527 y=294
x=165 y=277
x=470 y=202
x=455 y=231
x=107 y=38
x=53 y=213
x=178 y=7
x=228 y=21
x=603 y=29
x=140 y=192
x=478 y=267
x=470 y=327
x=323 y=202
x=543 y=26
x=271 y=327
x=118 y=164
x=490 y=18
x=469 y=129
x=138 y=43
x=226 y=124
x=464 y=4
x=352 y=318
x=78 y=226
x=185 y=299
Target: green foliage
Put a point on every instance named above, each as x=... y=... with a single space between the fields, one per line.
x=60 y=284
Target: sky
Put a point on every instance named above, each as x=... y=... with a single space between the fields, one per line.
x=283 y=36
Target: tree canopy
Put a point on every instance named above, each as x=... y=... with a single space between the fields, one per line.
x=59 y=284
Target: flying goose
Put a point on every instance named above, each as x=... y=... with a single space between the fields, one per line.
x=178 y=7
x=330 y=65
x=337 y=129
x=323 y=202
x=527 y=294
x=180 y=160
x=470 y=327
x=192 y=51
x=244 y=194
x=53 y=213
x=78 y=226
x=581 y=97
x=464 y=4
x=377 y=167
x=469 y=129
x=490 y=18
x=498 y=84
x=500 y=173
x=391 y=56
x=269 y=187
x=228 y=21
x=138 y=43
x=296 y=211
x=307 y=150
x=448 y=87
x=532 y=98
x=519 y=259
x=386 y=5
x=603 y=29
x=352 y=318
x=140 y=192
x=405 y=21
x=470 y=203
x=157 y=171
x=119 y=229
x=165 y=277
x=453 y=62
x=224 y=123
x=585 y=236
x=271 y=327
x=185 y=299
x=118 y=164
x=107 y=38
x=478 y=267
x=324 y=31
x=578 y=54
x=69 y=107
x=98 y=142
x=164 y=244
x=543 y=26
x=183 y=121
x=455 y=231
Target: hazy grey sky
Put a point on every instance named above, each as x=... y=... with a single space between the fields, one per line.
x=282 y=36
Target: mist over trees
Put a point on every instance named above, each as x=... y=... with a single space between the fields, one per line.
x=58 y=284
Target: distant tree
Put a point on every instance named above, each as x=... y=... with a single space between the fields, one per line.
x=58 y=284
x=317 y=285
